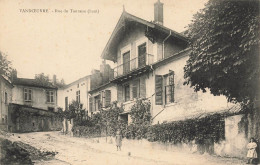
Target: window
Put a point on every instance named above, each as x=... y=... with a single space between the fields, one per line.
x=78 y=86
x=6 y=101
x=27 y=94
x=135 y=89
x=78 y=96
x=50 y=96
x=97 y=103
x=142 y=55
x=66 y=103
x=164 y=88
x=127 y=92
x=169 y=87
x=106 y=98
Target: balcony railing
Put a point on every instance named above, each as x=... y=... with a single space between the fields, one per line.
x=135 y=63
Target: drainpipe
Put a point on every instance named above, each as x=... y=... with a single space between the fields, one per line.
x=164 y=41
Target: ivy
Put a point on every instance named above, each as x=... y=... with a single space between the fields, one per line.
x=224 y=41
x=211 y=127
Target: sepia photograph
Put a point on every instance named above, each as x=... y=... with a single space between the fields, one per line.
x=127 y=82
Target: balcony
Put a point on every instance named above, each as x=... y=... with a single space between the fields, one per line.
x=134 y=65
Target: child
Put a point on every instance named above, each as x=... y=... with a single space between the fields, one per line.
x=251 y=153
x=118 y=140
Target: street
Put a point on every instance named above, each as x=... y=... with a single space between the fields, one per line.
x=74 y=150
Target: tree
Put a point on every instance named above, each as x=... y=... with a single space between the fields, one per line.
x=42 y=78
x=224 y=42
x=5 y=65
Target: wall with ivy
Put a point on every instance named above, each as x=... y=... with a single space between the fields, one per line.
x=29 y=119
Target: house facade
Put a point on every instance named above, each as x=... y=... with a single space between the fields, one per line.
x=33 y=106
x=134 y=46
x=75 y=91
x=35 y=94
x=102 y=92
x=5 y=100
x=149 y=63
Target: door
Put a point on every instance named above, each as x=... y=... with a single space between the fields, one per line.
x=142 y=55
x=126 y=62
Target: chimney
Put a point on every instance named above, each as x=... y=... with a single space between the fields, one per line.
x=158 y=12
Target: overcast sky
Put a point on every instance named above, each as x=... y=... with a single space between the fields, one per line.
x=70 y=44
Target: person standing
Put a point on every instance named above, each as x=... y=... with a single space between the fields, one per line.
x=251 y=153
x=118 y=140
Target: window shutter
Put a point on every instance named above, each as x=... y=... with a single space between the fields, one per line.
x=142 y=87
x=107 y=97
x=91 y=104
x=102 y=99
x=120 y=93
x=158 y=90
x=171 y=82
x=134 y=89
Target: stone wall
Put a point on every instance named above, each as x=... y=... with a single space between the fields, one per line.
x=28 y=119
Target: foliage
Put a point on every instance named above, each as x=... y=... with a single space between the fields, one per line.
x=5 y=65
x=211 y=127
x=45 y=80
x=42 y=78
x=141 y=117
x=140 y=112
x=75 y=112
x=224 y=42
x=109 y=120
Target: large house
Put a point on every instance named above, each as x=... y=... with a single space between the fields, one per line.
x=149 y=59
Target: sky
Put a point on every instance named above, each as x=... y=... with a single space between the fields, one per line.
x=70 y=44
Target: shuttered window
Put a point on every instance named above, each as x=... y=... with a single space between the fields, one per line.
x=142 y=87
x=158 y=89
x=120 y=93
x=127 y=92
x=107 y=98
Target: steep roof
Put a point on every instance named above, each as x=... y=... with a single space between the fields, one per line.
x=121 y=23
x=33 y=83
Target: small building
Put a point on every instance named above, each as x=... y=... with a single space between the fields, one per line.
x=33 y=106
x=35 y=94
x=5 y=100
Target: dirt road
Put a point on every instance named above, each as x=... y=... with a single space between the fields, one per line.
x=73 y=150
